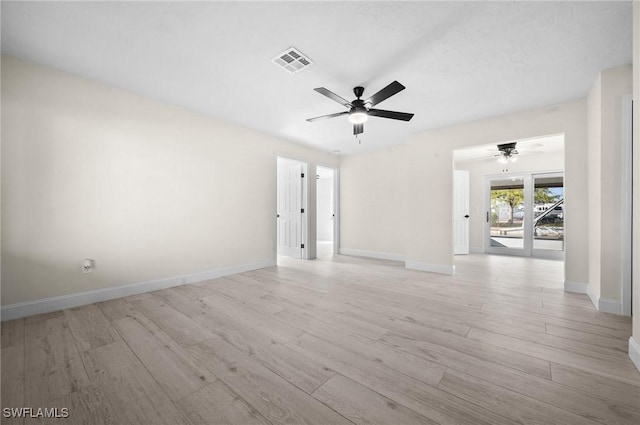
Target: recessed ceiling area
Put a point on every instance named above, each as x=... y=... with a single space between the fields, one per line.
x=538 y=145
x=460 y=61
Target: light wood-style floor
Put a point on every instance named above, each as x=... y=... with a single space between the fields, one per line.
x=333 y=341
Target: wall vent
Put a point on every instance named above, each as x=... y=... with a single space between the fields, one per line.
x=292 y=60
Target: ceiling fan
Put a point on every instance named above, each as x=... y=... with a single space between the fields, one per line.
x=359 y=110
x=507 y=153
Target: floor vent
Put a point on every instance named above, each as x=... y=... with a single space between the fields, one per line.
x=292 y=60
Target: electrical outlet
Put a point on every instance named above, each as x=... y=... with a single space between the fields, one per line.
x=88 y=265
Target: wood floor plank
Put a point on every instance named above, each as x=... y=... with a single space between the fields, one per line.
x=582 y=347
x=363 y=406
x=247 y=297
x=157 y=409
x=12 y=388
x=620 y=345
x=606 y=410
x=297 y=369
x=90 y=327
x=508 y=403
x=406 y=363
x=116 y=309
x=597 y=385
x=437 y=405
x=182 y=303
x=179 y=327
x=276 y=399
x=478 y=348
x=12 y=333
x=116 y=371
x=178 y=374
x=593 y=318
x=623 y=370
x=332 y=318
x=87 y=405
x=53 y=367
x=90 y=405
x=217 y=404
x=266 y=324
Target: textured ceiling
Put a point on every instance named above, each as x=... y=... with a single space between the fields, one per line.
x=460 y=61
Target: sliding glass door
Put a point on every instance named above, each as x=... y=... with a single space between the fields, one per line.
x=525 y=215
x=548 y=214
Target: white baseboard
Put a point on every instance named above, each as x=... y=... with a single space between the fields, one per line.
x=634 y=352
x=604 y=305
x=577 y=287
x=47 y=305
x=593 y=297
x=433 y=268
x=607 y=305
x=476 y=250
x=372 y=254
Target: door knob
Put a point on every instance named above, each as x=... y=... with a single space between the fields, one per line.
x=466 y=216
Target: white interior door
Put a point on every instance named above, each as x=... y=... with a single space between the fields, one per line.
x=289 y=214
x=461 y=212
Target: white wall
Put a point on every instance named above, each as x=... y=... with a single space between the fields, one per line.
x=146 y=189
x=373 y=202
x=324 y=210
x=605 y=186
x=551 y=161
x=594 y=143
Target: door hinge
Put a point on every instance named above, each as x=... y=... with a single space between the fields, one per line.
x=302 y=175
x=302 y=210
x=301 y=245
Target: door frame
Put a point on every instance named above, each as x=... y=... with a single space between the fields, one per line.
x=304 y=202
x=336 y=206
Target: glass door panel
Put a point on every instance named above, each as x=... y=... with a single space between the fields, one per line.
x=548 y=211
x=507 y=213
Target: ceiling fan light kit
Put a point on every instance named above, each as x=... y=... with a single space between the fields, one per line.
x=359 y=110
x=507 y=153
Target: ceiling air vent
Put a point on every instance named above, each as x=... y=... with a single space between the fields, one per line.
x=292 y=60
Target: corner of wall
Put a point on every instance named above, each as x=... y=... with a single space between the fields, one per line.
x=603 y=305
x=634 y=352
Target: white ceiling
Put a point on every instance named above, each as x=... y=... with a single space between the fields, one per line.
x=460 y=61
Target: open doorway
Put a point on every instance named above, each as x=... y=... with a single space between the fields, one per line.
x=510 y=196
x=516 y=208
x=326 y=220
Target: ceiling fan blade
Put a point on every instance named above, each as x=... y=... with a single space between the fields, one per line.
x=324 y=117
x=385 y=93
x=331 y=95
x=403 y=116
x=358 y=129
